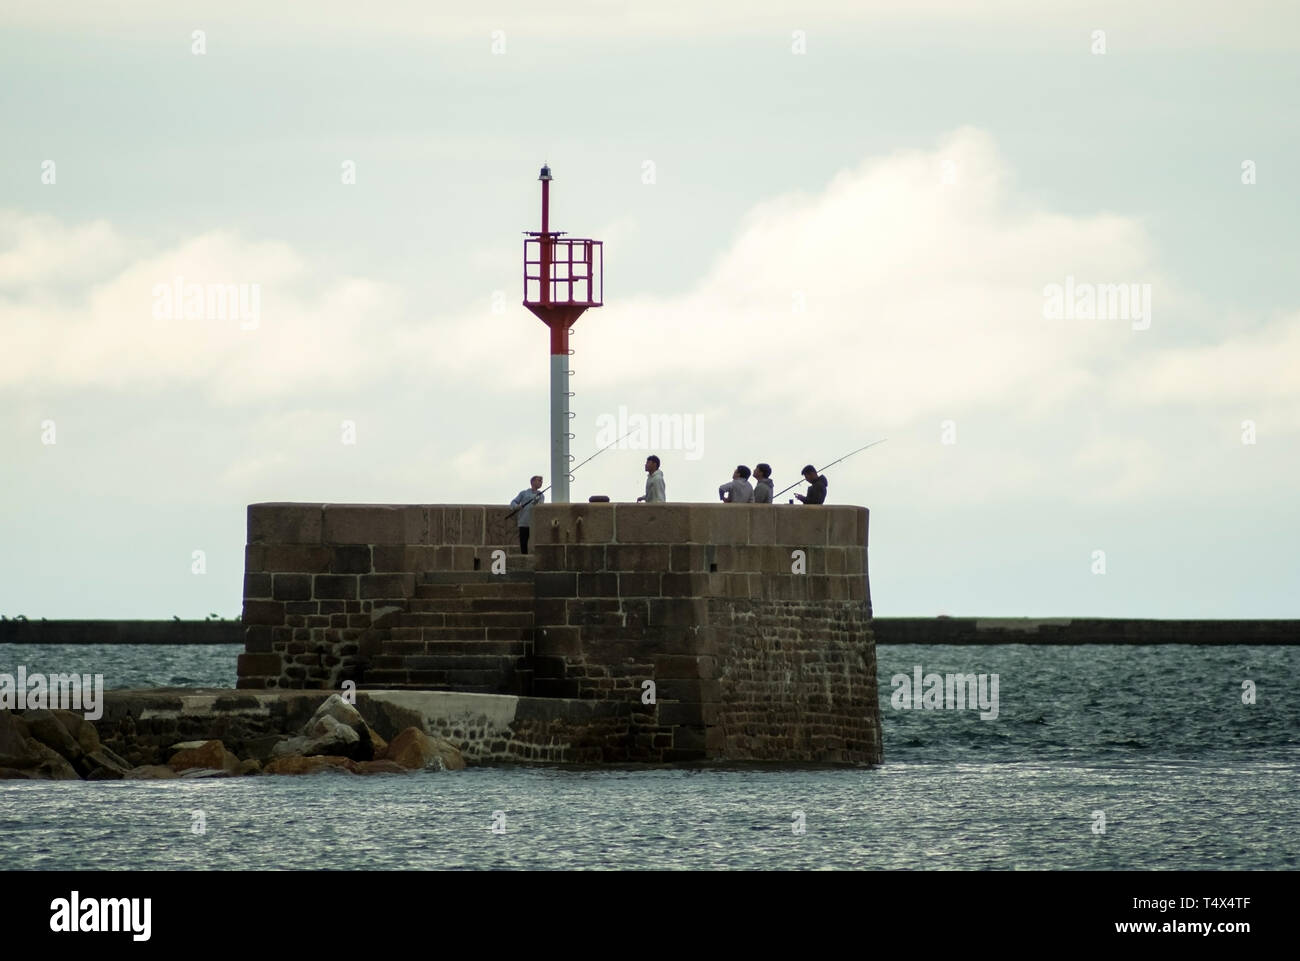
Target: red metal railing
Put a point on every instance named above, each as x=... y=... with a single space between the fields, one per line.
x=577 y=272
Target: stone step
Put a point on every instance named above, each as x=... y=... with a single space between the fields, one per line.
x=462 y=604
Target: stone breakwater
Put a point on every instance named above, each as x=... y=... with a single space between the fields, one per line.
x=166 y=734
x=641 y=633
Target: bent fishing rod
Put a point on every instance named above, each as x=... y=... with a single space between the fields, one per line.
x=832 y=464
x=571 y=472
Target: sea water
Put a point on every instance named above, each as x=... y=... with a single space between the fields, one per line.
x=1099 y=757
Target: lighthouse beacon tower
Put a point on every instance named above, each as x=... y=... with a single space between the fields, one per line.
x=562 y=278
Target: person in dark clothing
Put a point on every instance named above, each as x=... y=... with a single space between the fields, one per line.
x=816 y=487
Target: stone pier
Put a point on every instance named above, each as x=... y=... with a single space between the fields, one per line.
x=706 y=631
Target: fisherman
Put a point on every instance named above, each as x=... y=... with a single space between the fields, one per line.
x=524 y=503
x=737 y=490
x=816 y=487
x=654 y=482
x=763 y=484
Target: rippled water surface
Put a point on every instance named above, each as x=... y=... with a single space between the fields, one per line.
x=1156 y=738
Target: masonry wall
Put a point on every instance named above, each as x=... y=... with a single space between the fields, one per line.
x=722 y=631
x=336 y=592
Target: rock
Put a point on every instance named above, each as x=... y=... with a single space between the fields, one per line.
x=193 y=773
x=211 y=754
x=379 y=744
x=14 y=752
x=328 y=732
x=417 y=751
x=380 y=767
x=46 y=728
x=82 y=730
x=249 y=766
x=290 y=747
x=335 y=739
x=261 y=748
x=187 y=746
x=309 y=765
x=150 y=772
x=51 y=763
x=340 y=710
x=13 y=774
x=114 y=756
x=102 y=765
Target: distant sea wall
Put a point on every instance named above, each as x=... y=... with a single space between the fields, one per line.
x=121 y=632
x=887 y=630
x=1081 y=630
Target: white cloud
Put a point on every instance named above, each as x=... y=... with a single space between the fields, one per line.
x=922 y=301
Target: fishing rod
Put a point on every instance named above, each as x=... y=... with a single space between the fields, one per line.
x=571 y=472
x=832 y=464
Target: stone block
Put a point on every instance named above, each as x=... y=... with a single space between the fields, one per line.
x=415 y=524
x=257 y=585
x=585 y=557
x=257 y=639
x=638 y=585
x=549 y=611
x=433 y=533
x=604 y=584
x=685 y=666
x=270 y=613
x=292 y=587
x=801 y=525
x=339 y=587
x=688 y=689
x=259 y=665
x=677 y=612
x=280 y=523
x=762 y=523
x=637 y=557
x=556 y=584
x=389 y=558
x=729 y=524
x=296 y=558
x=574 y=523
x=684 y=585
x=387 y=585
x=351 y=559
x=845 y=526
x=652 y=523
x=364 y=524
x=687 y=557
x=558 y=641
x=550 y=557
x=470 y=530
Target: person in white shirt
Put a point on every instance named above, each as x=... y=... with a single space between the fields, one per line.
x=654 y=482
x=524 y=502
x=737 y=490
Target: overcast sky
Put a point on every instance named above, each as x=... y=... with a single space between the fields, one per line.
x=825 y=224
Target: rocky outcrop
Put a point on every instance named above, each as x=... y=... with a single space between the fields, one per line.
x=40 y=744
x=417 y=751
x=210 y=755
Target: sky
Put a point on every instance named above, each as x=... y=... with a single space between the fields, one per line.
x=1048 y=254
